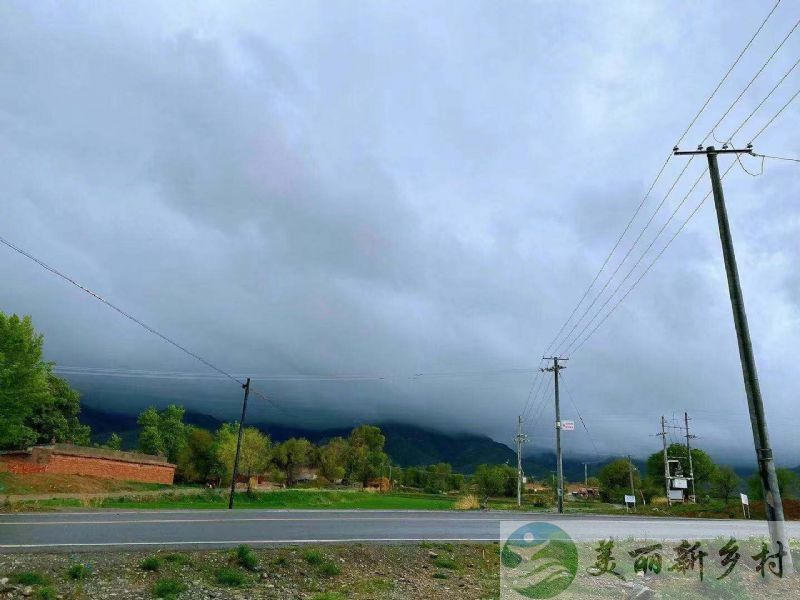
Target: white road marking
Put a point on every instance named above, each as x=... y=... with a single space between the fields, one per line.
x=234 y=542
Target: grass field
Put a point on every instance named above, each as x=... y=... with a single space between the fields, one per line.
x=281 y=499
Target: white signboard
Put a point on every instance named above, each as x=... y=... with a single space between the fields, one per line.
x=680 y=484
x=568 y=425
x=745 y=501
x=676 y=495
x=630 y=499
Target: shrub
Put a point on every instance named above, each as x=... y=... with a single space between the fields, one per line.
x=29 y=578
x=279 y=562
x=46 y=593
x=169 y=589
x=445 y=563
x=79 y=572
x=229 y=577
x=467 y=502
x=659 y=501
x=151 y=563
x=441 y=576
x=313 y=557
x=246 y=558
x=329 y=569
x=178 y=559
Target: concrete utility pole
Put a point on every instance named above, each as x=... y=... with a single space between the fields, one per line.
x=758 y=421
x=246 y=388
x=630 y=474
x=586 y=474
x=689 y=452
x=663 y=435
x=559 y=467
x=521 y=439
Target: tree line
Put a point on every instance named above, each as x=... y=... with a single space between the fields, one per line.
x=711 y=480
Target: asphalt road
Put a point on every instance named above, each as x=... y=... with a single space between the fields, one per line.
x=213 y=529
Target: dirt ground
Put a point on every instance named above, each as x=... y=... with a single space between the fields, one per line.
x=322 y=573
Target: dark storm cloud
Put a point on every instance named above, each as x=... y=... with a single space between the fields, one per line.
x=393 y=190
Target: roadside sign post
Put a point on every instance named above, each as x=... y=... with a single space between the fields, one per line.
x=630 y=501
x=567 y=425
x=745 y=505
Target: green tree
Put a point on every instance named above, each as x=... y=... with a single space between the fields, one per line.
x=437 y=478
x=291 y=455
x=29 y=394
x=333 y=459
x=55 y=417
x=255 y=452
x=150 y=440
x=114 y=442
x=615 y=480
x=162 y=433
x=702 y=465
x=490 y=480
x=724 y=482
x=196 y=458
x=366 y=458
x=788 y=485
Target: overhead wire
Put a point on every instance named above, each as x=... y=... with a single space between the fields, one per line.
x=659 y=174
x=132 y=318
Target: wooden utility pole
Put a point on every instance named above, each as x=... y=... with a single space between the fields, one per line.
x=246 y=387
x=758 y=420
x=559 y=466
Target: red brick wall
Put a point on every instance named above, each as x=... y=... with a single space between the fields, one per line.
x=111 y=469
x=88 y=465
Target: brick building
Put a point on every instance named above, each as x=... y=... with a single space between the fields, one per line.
x=67 y=459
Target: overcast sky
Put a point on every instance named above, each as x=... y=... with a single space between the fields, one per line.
x=392 y=189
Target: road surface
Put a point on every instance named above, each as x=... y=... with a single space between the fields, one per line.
x=215 y=529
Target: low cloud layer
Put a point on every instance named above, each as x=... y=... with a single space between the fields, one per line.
x=408 y=197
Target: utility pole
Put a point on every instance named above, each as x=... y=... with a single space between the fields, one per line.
x=663 y=435
x=521 y=439
x=586 y=474
x=559 y=467
x=758 y=421
x=630 y=474
x=689 y=452
x=246 y=388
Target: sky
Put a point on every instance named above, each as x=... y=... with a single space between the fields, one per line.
x=385 y=211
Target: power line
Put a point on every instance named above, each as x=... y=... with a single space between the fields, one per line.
x=650 y=266
x=752 y=80
x=130 y=317
x=625 y=258
x=760 y=131
x=134 y=373
x=797 y=160
x=639 y=260
x=578 y=412
x=658 y=175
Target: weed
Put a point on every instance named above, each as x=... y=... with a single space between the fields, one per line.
x=279 y=562
x=229 y=577
x=246 y=558
x=169 y=589
x=313 y=557
x=329 y=569
x=177 y=559
x=151 y=563
x=328 y=596
x=441 y=576
x=79 y=572
x=46 y=593
x=29 y=578
x=445 y=563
